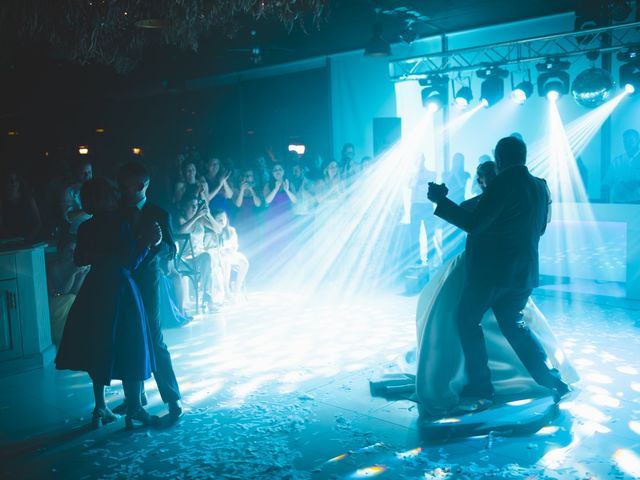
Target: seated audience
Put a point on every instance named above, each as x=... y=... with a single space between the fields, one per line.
x=231 y=257
x=192 y=220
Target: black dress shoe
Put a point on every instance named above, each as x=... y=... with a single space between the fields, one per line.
x=140 y=416
x=175 y=410
x=122 y=408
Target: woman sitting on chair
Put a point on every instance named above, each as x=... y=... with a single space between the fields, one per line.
x=230 y=256
x=192 y=220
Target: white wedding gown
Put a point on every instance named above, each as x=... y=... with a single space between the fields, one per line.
x=440 y=372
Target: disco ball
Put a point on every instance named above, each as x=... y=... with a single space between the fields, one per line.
x=592 y=87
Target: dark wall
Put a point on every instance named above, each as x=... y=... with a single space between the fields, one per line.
x=58 y=112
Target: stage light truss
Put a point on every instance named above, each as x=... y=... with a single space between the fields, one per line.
x=517 y=52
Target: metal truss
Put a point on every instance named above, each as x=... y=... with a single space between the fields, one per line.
x=537 y=49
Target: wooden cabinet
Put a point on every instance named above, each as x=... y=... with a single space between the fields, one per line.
x=25 y=331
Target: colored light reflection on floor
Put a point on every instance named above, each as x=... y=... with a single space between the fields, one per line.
x=367 y=472
x=628 y=461
x=240 y=424
x=409 y=453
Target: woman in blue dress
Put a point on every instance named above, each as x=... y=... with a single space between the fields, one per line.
x=106 y=334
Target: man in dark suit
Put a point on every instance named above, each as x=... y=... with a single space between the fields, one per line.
x=501 y=269
x=133 y=181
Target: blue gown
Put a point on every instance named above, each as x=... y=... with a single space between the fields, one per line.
x=106 y=334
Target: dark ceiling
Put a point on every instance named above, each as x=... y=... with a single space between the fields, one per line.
x=35 y=68
x=348 y=27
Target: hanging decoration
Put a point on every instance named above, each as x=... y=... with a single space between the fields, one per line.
x=116 y=32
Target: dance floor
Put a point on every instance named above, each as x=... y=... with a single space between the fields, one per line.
x=279 y=389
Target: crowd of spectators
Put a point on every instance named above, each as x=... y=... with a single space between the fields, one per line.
x=237 y=215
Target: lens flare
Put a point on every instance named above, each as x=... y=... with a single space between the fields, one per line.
x=628 y=461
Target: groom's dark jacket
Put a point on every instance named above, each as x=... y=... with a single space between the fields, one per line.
x=504 y=229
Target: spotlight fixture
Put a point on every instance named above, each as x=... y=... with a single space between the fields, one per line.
x=521 y=91
x=464 y=97
x=83 y=150
x=553 y=78
x=435 y=93
x=377 y=46
x=492 y=87
x=463 y=94
x=136 y=150
x=408 y=33
x=630 y=70
x=593 y=87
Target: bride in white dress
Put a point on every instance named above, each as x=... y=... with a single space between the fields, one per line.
x=440 y=374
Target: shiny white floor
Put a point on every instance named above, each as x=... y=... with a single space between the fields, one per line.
x=278 y=389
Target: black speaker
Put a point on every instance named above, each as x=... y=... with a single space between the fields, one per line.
x=387 y=131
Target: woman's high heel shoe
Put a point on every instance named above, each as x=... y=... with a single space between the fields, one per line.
x=140 y=416
x=102 y=416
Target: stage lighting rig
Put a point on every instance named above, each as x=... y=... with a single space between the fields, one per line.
x=435 y=94
x=521 y=91
x=630 y=70
x=463 y=93
x=553 y=78
x=492 y=86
